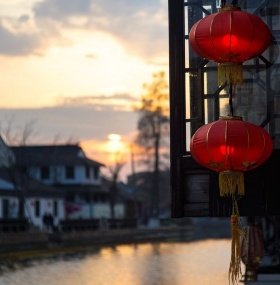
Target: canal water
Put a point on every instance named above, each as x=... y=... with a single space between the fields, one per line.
x=175 y=263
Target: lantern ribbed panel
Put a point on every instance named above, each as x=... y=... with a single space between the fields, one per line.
x=230 y=36
x=231 y=144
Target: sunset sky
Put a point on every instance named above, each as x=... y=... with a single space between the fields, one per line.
x=75 y=67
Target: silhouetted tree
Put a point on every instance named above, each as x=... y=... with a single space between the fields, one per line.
x=153 y=130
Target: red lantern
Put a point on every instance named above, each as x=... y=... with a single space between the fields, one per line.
x=230 y=37
x=231 y=146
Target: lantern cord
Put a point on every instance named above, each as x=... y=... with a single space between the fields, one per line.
x=234 y=3
x=230 y=99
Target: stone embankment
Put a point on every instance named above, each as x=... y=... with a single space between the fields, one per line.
x=36 y=243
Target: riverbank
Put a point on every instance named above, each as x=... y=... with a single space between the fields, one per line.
x=34 y=243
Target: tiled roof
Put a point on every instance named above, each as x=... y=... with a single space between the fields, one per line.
x=29 y=185
x=48 y=155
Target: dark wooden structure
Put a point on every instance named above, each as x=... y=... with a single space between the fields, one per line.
x=196 y=99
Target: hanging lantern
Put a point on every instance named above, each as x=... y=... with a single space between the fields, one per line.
x=231 y=146
x=230 y=37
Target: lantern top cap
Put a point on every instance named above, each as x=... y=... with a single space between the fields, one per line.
x=231 y=118
x=229 y=8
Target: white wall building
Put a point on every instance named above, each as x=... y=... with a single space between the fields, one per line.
x=38 y=200
x=67 y=169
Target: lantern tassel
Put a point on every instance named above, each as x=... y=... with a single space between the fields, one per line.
x=236 y=234
x=235 y=261
x=230 y=72
x=230 y=182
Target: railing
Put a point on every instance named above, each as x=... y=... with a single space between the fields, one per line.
x=11 y=225
x=95 y=224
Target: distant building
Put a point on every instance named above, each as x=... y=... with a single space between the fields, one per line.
x=17 y=191
x=58 y=181
x=67 y=169
x=22 y=196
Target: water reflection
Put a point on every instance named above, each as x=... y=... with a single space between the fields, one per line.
x=200 y=263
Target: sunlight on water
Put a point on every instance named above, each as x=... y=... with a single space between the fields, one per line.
x=193 y=263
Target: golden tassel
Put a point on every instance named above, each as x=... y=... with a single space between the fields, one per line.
x=236 y=234
x=230 y=182
x=231 y=73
